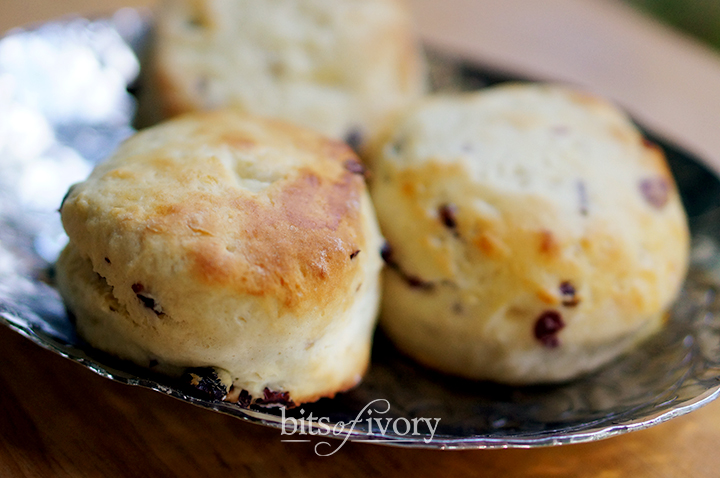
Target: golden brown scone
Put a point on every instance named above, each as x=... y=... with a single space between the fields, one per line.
x=223 y=240
x=341 y=67
x=534 y=234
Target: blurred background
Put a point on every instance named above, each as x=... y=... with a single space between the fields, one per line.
x=666 y=73
x=700 y=18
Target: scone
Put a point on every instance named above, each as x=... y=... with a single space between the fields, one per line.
x=533 y=234
x=225 y=241
x=340 y=67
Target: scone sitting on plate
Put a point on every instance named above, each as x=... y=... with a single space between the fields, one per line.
x=222 y=240
x=533 y=234
x=341 y=67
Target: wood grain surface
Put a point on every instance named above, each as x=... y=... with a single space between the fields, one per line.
x=58 y=419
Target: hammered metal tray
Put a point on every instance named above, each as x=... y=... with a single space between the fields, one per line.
x=67 y=100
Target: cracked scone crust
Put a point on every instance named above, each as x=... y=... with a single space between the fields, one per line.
x=222 y=240
x=533 y=233
x=340 y=67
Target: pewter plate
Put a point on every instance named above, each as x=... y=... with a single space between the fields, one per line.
x=66 y=101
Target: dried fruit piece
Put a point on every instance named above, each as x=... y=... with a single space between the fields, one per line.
x=547 y=327
x=274 y=397
x=354 y=138
x=386 y=253
x=447 y=215
x=355 y=167
x=656 y=191
x=213 y=382
x=568 y=294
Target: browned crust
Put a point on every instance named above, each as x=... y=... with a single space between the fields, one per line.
x=291 y=242
x=295 y=246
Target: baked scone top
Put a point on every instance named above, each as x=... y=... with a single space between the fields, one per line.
x=337 y=66
x=254 y=206
x=558 y=176
x=535 y=234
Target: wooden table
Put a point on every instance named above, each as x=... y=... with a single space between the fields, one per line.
x=59 y=419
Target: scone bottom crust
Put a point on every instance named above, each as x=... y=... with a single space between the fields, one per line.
x=213 y=383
